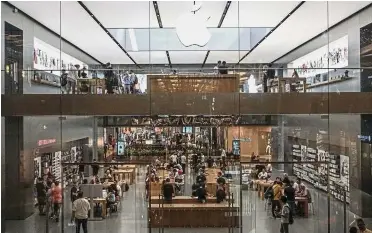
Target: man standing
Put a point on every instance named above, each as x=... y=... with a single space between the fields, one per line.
x=289 y=192
x=80 y=209
x=41 y=190
x=285 y=216
x=183 y=163
x=277 y=193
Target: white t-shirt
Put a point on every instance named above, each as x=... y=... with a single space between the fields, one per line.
x=183 y=159
x=202 y=158
x=223 y=153
x=81 y=207
x=262 y=175
x=174 y=158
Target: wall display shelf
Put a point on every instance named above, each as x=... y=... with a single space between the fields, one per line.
x=287 y=84
x=316 y=174
x=325 y=83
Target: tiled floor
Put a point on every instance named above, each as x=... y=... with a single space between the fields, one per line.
x=132 y=217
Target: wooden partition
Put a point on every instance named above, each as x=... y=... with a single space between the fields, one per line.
x=193 y=83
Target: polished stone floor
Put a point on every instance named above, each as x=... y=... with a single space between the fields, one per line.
x=132 y=216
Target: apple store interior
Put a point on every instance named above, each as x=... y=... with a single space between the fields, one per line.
x=186 y=116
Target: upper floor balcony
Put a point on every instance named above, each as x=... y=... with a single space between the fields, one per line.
x=188 y=95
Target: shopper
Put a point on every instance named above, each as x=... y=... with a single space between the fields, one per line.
x=223 y=68
x=95 y=168
x=201 y=193
x=277 y=194
x=80 y=209
x=289 y=192
x=183 y=162
x=168 y=190
x=362 y=226
x=56 y=193
x=286 y=217
x=109 y=78
x=41 y=191
x=353 y=230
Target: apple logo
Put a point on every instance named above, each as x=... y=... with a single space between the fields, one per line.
x=192 y=28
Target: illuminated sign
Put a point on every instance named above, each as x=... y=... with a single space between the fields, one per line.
x=46 y=142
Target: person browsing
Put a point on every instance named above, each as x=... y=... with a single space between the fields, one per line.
x=168 y=190
x=80 y=209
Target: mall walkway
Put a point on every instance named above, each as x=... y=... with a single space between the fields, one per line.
x=132 y=216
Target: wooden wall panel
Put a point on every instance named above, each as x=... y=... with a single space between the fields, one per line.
x=193 y=83
x=251 y=132
x=188 y=104
x=194 y=104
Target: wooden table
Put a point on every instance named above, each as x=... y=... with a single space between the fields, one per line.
x=261 y=187
x=128 y=167
x=305 y=203
x=101 y=201
x=211 y=175
x=126 y=174
x=193 y=215
x=182 y=200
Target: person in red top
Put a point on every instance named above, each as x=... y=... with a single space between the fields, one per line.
x=56 y=193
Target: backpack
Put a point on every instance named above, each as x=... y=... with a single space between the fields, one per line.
x=63 y=80
x=290 y=216
x=126 y=187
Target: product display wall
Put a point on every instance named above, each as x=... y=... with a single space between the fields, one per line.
x=316 y=174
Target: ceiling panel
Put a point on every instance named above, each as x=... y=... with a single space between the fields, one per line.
x=300 y=27
x=170 y=11
x=81 y=30
x=257 y=13
x=124 y=14
x=189 y=57
x=231 y=57
x=154 y=57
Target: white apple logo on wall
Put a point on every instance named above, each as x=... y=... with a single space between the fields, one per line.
x=192 y=28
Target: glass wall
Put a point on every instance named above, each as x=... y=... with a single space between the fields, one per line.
x=294 y=91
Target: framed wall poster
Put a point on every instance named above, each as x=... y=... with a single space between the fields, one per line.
x=236 y=147
x=303 y=153
x=73 y=154
x=344 y=170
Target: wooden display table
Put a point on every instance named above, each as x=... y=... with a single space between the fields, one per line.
x=128 y=167
x=182 y=200
x=211 y=175
x=125 y=174
x=305 y=204
x=193 y=215
x=262 y=185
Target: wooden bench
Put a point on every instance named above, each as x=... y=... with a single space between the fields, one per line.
x=193 y=215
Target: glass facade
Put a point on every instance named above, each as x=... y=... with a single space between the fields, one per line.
x=295 y=91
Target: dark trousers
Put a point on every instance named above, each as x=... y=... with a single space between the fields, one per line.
x=83 y=223
x=274 y=204
x=183 y=168
x=284 y=227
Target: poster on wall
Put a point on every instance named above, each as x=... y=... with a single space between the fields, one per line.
x=56 y=165
x=236 y=147
x=333 y=55
x=37 y=167
x=344 y=170
x=73 y=154
x=366 y=57
x=49 y=61
x=303 y=153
